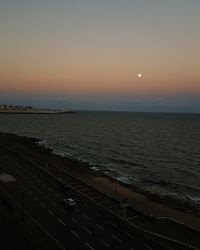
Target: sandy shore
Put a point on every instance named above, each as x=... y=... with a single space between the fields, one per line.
x=138 y=200
x=143 y=203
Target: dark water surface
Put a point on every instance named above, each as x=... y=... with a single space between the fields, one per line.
x=154 y=151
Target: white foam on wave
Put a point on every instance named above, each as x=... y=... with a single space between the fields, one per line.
x=95 y=168
x=195 y=199
x=42 y=142
x=119 y=175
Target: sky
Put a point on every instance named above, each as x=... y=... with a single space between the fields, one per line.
x=88 y=54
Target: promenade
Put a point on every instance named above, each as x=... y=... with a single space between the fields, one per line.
x=98 y=221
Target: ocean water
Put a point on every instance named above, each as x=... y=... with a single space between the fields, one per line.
x=158 y=152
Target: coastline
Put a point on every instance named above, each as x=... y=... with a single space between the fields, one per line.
x=142 y=201
x=35 y=112
x=185 y=206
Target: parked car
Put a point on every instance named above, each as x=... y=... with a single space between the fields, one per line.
x=69 y=202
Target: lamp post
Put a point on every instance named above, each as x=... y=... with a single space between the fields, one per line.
x=47 y=163
x=116 y=189
x=124 y=205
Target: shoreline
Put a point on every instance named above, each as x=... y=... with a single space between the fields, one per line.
x=13 y=112
x=183 y=205
x=142 y=201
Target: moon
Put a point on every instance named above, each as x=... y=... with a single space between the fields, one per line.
x=139 y=75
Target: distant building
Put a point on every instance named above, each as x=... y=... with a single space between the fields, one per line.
x=15 y=107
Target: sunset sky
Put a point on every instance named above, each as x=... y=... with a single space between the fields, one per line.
x=89 y=50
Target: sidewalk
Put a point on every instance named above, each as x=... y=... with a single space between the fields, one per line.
x=136 y=200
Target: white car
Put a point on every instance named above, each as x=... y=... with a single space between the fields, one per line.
x=69 y=202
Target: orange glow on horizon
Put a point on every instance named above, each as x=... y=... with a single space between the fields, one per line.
x=65 y=47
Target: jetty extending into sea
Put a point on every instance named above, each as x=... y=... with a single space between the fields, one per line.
x=18 y=109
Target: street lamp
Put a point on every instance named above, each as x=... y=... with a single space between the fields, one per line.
x=124 y=204
x=116 y=189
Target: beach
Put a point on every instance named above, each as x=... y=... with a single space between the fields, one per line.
x=31 y=147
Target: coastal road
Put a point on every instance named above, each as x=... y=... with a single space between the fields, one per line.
x=83 y=227
x=60 y=168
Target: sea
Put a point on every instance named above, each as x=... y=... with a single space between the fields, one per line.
x=156 y=152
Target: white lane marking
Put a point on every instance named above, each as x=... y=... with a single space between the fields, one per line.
x=114 y=225
x=116 y=238
x=148 y=247
x=84 y=215
x=89 y=246
x=75 y=220
x=103 y=242
x=129 y=235
x=42 y=205
x=74 y=233
x=87 y=230
x=35 y=198
x=100 y=227
x=51 y=212
x=61 y=222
